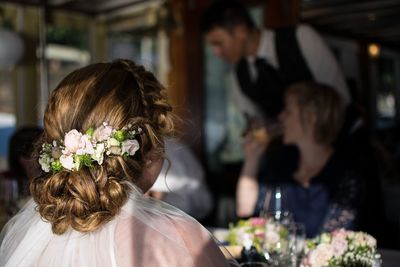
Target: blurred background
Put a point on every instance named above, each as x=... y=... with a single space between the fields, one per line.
x=42 y=41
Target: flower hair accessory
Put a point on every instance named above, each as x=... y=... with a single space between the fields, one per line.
x=77 y=149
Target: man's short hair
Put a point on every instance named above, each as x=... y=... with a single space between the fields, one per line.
x=226 y=14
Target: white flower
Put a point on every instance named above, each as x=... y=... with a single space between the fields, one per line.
x=103 y=132
x=115 y=150
x=72 y=141
x=113 y=146
x=45 y=161
x=359 y=239
x=98 y=154
x=130 y=147
x=371 y=241
x=112 y=142
x=67 y=161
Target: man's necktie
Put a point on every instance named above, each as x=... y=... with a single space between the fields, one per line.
x=266 y=90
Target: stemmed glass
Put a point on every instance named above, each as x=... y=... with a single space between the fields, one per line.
x=279 y=233
x=299 y=243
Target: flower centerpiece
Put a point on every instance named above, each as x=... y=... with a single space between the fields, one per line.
x=341 y=248
x=266 y=235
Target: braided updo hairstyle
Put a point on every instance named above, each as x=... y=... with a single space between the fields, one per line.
x=119 y=93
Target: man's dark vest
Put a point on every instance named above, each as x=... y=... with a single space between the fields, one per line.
x=268 y=89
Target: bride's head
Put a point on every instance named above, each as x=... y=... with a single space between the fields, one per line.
x=78 y=191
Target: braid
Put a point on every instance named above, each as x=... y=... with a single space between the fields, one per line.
x=152 y=94
x=138 y=73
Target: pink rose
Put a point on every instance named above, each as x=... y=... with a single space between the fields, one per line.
x=256 y=221
x=130 y=147
x=321 y=255
x=339 y=246
x=103 y=132
x=85 y=146
x=72 y=141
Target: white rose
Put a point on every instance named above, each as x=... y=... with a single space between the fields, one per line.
x=130 y=147
x=67 y=161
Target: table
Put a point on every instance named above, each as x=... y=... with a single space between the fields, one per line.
x=390 y=258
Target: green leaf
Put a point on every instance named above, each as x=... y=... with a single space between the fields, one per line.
x=83 y=160
x=90 y=131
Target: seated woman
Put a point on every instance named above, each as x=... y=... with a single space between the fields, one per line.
x=320 y=190
x=14 y=182
x=102 y=148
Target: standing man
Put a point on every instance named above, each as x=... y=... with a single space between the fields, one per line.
x=266 y=61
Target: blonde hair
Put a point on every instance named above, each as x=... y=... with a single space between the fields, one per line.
x=119 y=93
x=325 y=103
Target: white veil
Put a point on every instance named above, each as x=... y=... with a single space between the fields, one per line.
x=146 y=233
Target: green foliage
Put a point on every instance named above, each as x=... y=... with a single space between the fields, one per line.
x=68 y=37
x=83 y=160
x=56 y=166
x=120 y=135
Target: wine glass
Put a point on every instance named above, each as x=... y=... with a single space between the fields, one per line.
x=279 y=233
x=299 y=243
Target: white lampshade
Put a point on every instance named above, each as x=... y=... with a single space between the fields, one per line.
x=11 y=48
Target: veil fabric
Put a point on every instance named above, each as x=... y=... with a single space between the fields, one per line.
x=146 y=233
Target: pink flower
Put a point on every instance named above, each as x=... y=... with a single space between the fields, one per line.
x=340 y=234
x=103 y=132
x=339 y=246
x=72 y=141
x=257 y=221
x=271 y=235
x=67 y=162
x=85 y=146
x=130 y=147
x=321 y=255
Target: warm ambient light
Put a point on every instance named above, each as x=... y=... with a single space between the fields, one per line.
x=373 y=50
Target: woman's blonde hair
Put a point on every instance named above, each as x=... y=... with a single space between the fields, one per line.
x=325 y=103
x=119 y=93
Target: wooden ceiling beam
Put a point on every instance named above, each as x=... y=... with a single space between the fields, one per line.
x=312 y=9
